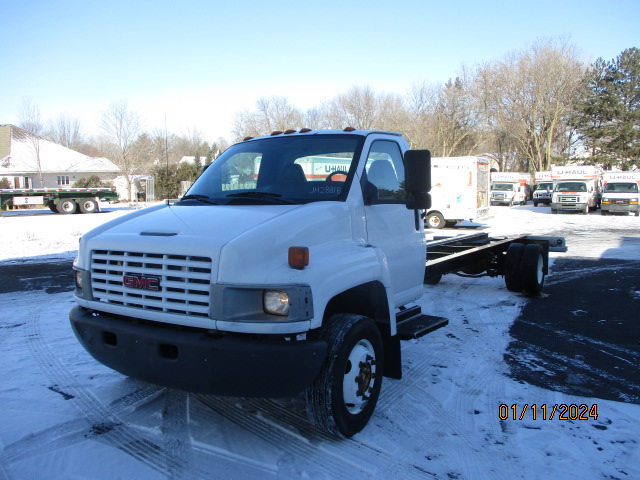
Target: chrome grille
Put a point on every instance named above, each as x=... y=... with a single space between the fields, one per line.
x=182 y=281
x=569 y=198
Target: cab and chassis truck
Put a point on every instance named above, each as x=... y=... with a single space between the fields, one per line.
x=272 y=284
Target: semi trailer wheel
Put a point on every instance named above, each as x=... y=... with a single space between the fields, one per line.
x=532 y=269
x=88 y=205
x=343 y=396
x=66 y=206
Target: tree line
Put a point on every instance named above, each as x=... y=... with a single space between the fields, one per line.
x=528 y=110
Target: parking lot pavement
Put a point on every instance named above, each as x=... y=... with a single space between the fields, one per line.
x=583 y=338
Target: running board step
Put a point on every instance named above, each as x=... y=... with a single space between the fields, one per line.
x=414 y=324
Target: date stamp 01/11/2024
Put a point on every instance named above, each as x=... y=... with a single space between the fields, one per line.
x=543 y=411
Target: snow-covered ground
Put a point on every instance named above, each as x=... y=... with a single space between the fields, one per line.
x=64 y=416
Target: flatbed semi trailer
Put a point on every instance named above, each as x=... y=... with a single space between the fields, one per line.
x=59 y=200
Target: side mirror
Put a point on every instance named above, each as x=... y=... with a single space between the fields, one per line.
x=417 y=179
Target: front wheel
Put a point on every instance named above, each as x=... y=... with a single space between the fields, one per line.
x=343 y=396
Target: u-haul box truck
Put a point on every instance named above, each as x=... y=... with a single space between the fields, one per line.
x=510 y=188
x=575 y=188
x=543 y=188
x=459 y=190
x=621 y=193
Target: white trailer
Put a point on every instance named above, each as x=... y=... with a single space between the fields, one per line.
x=459 y=190
x=620 y=193
x=575 y=188
x=510 y=188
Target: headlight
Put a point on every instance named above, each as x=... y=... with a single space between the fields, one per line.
x=78 y=275
x=276 y=302
x=605 y=200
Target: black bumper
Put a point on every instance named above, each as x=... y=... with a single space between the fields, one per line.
x=196 y=361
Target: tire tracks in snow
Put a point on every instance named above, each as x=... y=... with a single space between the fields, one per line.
x=104 y=423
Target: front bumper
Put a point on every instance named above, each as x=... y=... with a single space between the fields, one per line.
x=568 y=206
x=613 y=208
x=197 y=361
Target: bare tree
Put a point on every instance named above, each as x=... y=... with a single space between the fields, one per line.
x=30 y=121
x=529 y=95
x=272 y=114
x=121 y=130
x=66 y=131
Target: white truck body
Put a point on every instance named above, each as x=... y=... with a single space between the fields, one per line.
x=575 y=188
x=543 y=188
x=510 y=188
x=459 y=190
x=620 y=193
x=280 y=280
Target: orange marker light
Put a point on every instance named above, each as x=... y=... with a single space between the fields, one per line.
x=298 y=257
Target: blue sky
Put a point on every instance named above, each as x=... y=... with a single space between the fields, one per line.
x=197 y=63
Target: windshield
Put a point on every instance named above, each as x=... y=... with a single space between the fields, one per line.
x=571 y=187
x=621 y=188
x=283 y=170
x=503 y=186
x=545 y=186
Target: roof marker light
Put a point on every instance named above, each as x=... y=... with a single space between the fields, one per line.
x=349 y=129
x=305 y=130
x=246 y=138
x=288 y=132
x=276 y=132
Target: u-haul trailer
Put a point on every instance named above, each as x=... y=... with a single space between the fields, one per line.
x=459 y=190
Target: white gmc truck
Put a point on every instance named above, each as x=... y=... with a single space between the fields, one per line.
x=275 y=281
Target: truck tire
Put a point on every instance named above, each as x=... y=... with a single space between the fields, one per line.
x=343 y=396
x=52 y=206
x=532 y=269
x=88 y=205
x=585 y=210
x=512 y=276
x=535 y=204
x=432 y=279
x=67 y=205
x=554 y=211
x=435 y=220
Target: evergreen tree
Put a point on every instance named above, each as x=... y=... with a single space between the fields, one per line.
x=608 y=113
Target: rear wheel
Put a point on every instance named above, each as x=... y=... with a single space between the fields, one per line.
x=52 y=206
x=343 y=396
x=66 y=206
x=88 y=205
x=532 y=269
x=512 y=277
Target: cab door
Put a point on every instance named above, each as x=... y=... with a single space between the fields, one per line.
x=391 y=227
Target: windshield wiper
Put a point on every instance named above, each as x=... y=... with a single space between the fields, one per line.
x=201 y=198
x=273 y=197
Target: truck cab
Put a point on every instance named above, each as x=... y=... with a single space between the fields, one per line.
x=286 y=261
x=542 y=193
x=575 y=188
x=621 y=193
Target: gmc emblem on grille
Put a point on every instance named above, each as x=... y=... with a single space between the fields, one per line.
x=141 y=282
